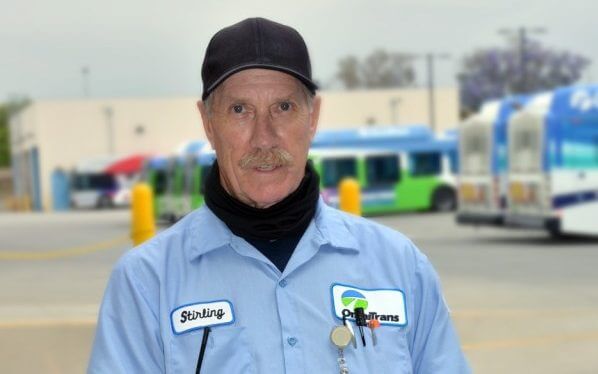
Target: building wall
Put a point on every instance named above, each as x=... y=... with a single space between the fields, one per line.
x=405 y=106
x=67 y=131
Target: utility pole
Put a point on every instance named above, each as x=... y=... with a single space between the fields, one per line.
x=522 y=33
x=430 y=60
x=109 y=117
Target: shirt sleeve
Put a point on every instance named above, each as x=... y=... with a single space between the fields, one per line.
x=435 y=346
x=128 y=336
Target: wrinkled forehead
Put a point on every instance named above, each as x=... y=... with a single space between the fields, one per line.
x=256 y=84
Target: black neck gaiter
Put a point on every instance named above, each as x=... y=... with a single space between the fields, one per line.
x=288 y=217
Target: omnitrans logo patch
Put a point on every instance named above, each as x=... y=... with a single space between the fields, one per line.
x=199 y=315
x=385 y=305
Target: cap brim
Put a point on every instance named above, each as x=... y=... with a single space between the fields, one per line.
x=311 y=86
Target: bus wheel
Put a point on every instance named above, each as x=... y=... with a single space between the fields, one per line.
x=444 y=200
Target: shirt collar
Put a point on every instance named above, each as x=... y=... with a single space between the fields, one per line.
x=331 y=229
x=207 y=232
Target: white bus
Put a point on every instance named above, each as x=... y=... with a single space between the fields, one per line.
x=553 y=168
x=483 y=162
x=91 y=186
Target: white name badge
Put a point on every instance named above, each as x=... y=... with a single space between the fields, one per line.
x=385 y=305
x=199 y=315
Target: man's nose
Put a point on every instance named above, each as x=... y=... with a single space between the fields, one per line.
x=264 y=132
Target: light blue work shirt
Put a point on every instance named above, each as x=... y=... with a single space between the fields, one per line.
x=282 y=321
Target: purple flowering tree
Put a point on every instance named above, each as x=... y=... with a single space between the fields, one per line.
x=495 y=72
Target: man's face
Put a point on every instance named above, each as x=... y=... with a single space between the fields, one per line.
x=261 y=125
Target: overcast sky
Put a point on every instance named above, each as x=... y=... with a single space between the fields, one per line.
x=155 y=48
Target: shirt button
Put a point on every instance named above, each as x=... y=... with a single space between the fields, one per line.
x=292 y=341
x=283 y=283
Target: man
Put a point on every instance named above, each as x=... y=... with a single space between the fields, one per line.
x=256 y=280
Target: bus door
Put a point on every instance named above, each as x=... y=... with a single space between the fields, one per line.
x=383 y=177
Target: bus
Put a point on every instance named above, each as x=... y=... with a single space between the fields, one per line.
x=91 y=186
x=399 y=168
x=553 y=168
x=166 y=176
x=483 y=163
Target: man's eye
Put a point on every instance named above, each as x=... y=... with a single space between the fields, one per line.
x=285 y=106
x=238 y=109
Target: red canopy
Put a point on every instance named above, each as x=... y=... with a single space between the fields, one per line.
x=127 y=165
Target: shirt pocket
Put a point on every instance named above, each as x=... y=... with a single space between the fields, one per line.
x=227 y=351
x=390 y=354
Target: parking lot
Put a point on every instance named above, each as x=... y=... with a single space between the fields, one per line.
x=522 y=302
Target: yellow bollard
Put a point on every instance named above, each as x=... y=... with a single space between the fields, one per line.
x=349 y=196
x=143 y=225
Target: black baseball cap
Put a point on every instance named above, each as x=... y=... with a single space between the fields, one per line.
x=255 y=43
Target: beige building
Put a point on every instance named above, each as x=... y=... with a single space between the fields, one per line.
x=53 y=134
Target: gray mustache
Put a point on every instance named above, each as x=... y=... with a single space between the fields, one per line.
x=266 y=157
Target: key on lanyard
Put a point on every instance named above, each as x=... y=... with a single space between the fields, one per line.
x=341 y=337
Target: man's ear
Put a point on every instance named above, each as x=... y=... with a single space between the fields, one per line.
x=315 y=116
x=205 y=120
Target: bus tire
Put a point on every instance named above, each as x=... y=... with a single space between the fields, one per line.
x=555 y=231
x=444 y=199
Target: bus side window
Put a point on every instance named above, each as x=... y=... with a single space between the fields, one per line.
x=423 y=164
x=382 y=170
x=335 y=169
x=160 y=182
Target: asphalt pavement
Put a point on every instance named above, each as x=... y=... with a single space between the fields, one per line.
x=522 y=302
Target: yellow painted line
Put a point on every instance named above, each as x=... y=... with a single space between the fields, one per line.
x=47 y=323
x=531 y=341
x=63 y=253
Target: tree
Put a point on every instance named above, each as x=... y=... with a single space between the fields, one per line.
x=497 y=72
x=6 y=111
x=348 y=72
x=380 y=69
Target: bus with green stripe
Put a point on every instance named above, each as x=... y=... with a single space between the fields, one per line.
x=171 y=184
x=398 y=168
